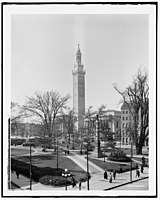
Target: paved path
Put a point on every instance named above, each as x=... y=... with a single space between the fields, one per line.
x=96 y=182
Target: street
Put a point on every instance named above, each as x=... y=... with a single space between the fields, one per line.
x=139 y=185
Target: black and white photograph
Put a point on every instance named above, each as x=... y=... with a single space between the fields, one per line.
x=79 y=100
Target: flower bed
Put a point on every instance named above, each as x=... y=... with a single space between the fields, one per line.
x=119 y=156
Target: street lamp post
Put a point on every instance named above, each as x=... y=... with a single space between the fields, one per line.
x=98 y=141
x=66 y=174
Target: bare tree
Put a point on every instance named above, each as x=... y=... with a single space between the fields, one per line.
x=17 y=115
x=68 y=120
x=136 y=98
x=46 y=106
x=16 y=112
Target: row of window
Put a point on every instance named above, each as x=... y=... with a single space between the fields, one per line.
x=126 y=125
x=126 y=118
x=123 y=132
x=123 y=112
x=126 y=140
x=123 y=118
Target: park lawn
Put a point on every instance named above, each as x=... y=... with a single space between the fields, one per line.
x=109 y=166
x=50 y=160
x=47 y=165
x=19 y=152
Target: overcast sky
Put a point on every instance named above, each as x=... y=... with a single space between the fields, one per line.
x=43 y=49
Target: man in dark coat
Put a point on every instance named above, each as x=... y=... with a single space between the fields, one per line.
x=105 y=175
x=137 y=173
x=73 y=182
x=114 y=174
x=120 y=170
x=17 y=174
x=142 y=168
x=80 y=183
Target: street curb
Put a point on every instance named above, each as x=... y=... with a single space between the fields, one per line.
x=126 y=183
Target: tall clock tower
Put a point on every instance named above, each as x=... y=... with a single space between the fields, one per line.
x=79 y=90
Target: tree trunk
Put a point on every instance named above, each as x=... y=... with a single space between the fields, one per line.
x=139 y=149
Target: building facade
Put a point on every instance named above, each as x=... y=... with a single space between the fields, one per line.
x=112 y=117
x=79 y=90
x=127 y=122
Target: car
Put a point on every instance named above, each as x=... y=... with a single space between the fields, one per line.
x=27 y=144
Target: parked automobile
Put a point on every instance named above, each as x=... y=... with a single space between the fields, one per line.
x=27 y=144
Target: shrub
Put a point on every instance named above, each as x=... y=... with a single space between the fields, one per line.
x=54 y=180
x=118 y=155
x=80 y=176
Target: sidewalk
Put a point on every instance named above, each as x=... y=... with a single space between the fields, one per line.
x=97 y=182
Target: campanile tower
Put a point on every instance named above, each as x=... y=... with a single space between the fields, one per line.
x=79 y=90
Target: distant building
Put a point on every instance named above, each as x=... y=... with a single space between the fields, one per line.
x=25 y=129
x=127 y=122
x=113 y=117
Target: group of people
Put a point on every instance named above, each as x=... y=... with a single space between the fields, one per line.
x=111 y=176
x=66 y=152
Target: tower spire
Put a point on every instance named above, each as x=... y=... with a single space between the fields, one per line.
x=78 y=55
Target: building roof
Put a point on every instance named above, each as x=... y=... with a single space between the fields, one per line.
x=125 y=105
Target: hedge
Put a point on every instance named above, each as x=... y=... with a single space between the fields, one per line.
x=37 y=172
x=46 y=175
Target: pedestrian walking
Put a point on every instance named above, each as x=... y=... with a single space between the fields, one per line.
x=110 y=178
x=143 y=161
x=105 y=175
x=137 y=173
x=114 y=174
x=80 y=183
x=120 y=170
x=68 y=152
x=73 y=182
x=17 y=174
x=137 y=166
x=142 y=168
x=65 y=152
